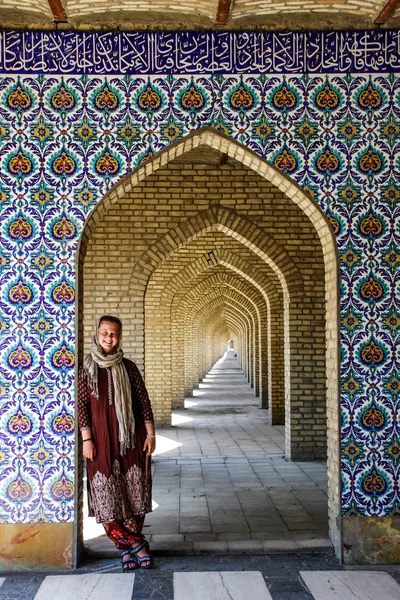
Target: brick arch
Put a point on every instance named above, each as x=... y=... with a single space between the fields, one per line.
x=263 y=283
x=211 y=138
x=186 y=305
x=212 y=325
x=207 y=308
x=171 y=293
x=206 y=314
x=158 y=310
x=191 y=305
x=273 y=358
x=268 y=286
x=235 y=307
x=229 y=222
x=287 y=275
x=230 y=313
x=218 y=333
x=208 y=359
x=207 y=136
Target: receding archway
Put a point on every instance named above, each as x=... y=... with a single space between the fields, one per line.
x=151 y=251
x=176 y=296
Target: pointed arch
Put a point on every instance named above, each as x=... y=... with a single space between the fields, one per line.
x=286 y=271
x=191 y=305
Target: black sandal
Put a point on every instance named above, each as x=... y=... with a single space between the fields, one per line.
x=127 y=565
x=148 y=559
x=143 y=559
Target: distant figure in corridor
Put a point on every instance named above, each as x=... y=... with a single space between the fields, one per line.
x=117 y=427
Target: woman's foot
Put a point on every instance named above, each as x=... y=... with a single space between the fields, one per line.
x=146 y=561
x=129 y=561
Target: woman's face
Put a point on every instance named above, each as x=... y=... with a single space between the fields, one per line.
x=108 y=336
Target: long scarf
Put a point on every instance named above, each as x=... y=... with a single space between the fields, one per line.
x=122 y=388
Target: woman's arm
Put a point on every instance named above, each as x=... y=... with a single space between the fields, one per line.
x=142 y=395
x=145 y=405
x=150 y=441
x=84 y=417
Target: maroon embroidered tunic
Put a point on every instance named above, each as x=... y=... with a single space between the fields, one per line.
x=120 y=486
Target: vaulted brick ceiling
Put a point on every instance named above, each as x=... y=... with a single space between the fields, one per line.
x=200 y=14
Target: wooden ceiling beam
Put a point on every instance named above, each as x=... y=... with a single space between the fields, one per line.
x=386 y=12
x=224 y=8
x=59 y=14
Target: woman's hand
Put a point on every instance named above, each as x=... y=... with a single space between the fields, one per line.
x=89 y=450
x=149 y=445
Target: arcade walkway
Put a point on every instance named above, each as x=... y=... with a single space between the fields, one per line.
x=221 y=483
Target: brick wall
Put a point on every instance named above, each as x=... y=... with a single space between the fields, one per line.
x=197 y=246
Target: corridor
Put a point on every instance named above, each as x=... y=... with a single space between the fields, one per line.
x=220 y=480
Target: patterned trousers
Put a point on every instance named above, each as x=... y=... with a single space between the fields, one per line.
x=125 y=534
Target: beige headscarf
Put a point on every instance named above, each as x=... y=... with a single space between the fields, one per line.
x=122 y=387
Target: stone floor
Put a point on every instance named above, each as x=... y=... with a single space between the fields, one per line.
x=221 y=482
x=221 y=578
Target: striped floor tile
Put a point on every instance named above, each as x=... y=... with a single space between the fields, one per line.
x=220 y=585
x=86 y=587
x=351 y=585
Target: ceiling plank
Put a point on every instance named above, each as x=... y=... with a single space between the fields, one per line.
x=224 y=8
x=59 y=14
x=386 y=12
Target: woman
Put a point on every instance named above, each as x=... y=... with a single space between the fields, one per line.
x=117 y=427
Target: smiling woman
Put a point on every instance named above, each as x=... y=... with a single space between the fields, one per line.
x=108 y=336
x=117 y=427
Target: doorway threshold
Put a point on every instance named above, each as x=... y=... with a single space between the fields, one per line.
x=96 y=548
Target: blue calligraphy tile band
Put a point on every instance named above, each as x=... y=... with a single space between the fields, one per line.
x=208 y=52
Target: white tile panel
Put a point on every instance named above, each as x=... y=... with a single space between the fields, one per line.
x=351 y=585
x=220 y=585
x=91 y=586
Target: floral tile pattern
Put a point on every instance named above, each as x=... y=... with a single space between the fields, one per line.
x=65 y=139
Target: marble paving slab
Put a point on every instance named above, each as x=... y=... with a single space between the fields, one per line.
x=351 y=585
x=220 y=585
x=91 y=586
